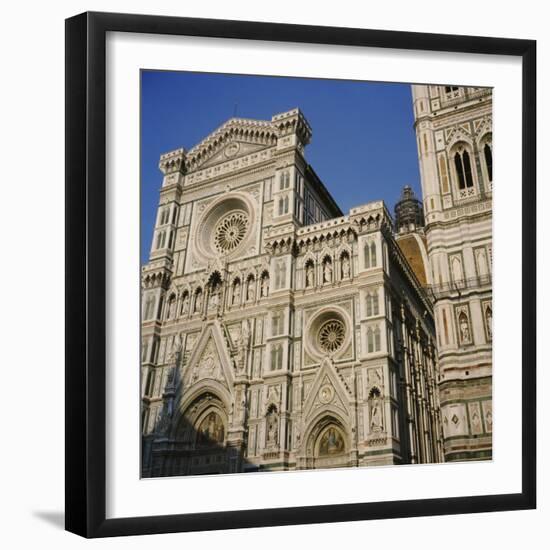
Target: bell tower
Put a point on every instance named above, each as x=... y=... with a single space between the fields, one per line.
x=454 y=137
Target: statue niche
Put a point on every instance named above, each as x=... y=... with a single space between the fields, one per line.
x=375 y=411
x=272 y=427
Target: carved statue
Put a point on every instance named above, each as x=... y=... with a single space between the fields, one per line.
x=215 y=297
x=309 y=275
x=198 y=302
x=243 y=347
x=345 y=268
x=236 y=293
x=250 y=290
x=327 y=272
x=464 y=328
x=272 y=429
x=172 y=309
x=265 y=287
x=185 y=304
x=375 y=416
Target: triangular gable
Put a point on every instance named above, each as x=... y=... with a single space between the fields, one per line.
x=236 y=138
x=229 y=153
x=210 y=359
x=328 y=390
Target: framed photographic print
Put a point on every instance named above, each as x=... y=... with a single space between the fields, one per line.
x=295 y=293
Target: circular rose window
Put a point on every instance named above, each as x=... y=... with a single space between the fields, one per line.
x=230 y=231
x=331 y=335
x=225 y=227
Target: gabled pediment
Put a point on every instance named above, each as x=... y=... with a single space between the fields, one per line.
x=233 y=150
x=328 y=391
x=210 y=359
x=236 y=138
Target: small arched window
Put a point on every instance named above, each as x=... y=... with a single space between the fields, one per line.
x=280 y=274
x=277 y=357
x=373 y=260
x=372 y=304
x=370 y=340
x=370 y=255
x=149 y=307
x=369 y=305
x=165 y=216
x=377 y=339
x=281 y=207
x=463 y=169
x=286 y=205
x=488 y=154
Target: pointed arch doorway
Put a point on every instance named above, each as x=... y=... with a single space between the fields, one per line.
x=328 y=445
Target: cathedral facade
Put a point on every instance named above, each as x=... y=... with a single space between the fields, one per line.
x=279 y=333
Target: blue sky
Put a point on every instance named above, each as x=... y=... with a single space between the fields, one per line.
x=363 y=146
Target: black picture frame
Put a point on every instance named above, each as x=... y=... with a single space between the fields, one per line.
x=86 y=276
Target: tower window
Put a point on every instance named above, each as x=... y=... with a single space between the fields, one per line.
x=367 y=256
x=149 y=308
x=277 y=357
x=370 y=255
x=373 y=254
x=284 y=182
x=373 y=339
x=372 y=304
x=463 y=169
x=277 y=323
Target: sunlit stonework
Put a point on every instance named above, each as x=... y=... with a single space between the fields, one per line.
x=280 y=333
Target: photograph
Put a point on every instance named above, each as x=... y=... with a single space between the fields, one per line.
x=316 y=273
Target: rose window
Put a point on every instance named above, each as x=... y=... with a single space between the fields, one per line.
x=230 y=231
x=332 y=335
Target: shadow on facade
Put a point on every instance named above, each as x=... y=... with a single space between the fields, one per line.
x=199 y=441
x=192 y=451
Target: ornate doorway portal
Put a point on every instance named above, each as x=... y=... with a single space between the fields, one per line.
x=328 y=445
